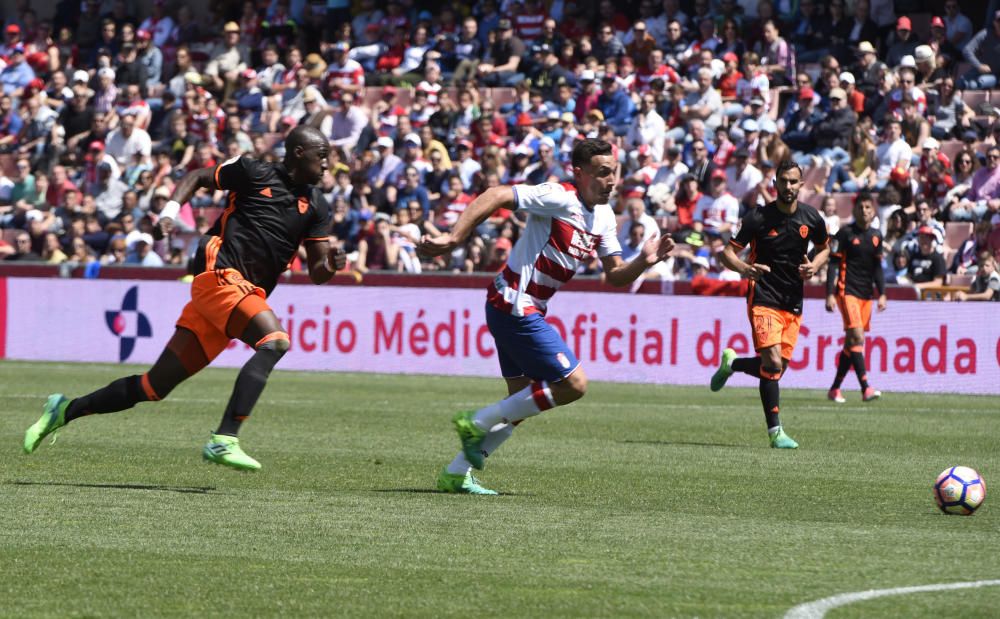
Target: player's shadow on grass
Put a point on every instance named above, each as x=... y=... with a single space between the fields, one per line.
x=435 y=491
x=681 y=443
x=178 y=489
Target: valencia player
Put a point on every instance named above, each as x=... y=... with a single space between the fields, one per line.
x=272 y=209
x=855 y=268
x=778 y=234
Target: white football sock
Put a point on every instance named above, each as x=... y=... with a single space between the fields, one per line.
x=527 y=402
x=500 y=433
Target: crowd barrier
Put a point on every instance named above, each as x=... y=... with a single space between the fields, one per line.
x=637 y=338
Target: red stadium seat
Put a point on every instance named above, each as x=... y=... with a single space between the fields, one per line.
x=956 y=232
x=8 y=166
x=921 y=24
x=845 y=204
x=950 y=148
x=953 y=279
x=501 y=96
x=9 y=234
x=974 y=99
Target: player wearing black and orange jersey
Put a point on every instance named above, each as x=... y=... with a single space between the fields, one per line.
x=272 y=210
x=778 y=235
x=855 y=268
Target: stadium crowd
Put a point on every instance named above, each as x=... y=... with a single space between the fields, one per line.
x=104 y=109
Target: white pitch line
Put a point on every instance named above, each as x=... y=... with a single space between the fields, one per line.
x=819 y=608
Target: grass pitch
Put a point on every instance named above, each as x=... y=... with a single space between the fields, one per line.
x=636 y=501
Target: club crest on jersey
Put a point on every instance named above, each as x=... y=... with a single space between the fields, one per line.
x=772 y=232
x=303 y=205
x=804 y=231
x=563 y=360
x=875 y=241
x=856 y=241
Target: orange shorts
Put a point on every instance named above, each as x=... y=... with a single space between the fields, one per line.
x=857 y=313
x=774 y=326
x=222 y=304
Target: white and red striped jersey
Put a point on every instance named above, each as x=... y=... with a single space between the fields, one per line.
x=528 y=26
x=351 y=72
x=560 y=235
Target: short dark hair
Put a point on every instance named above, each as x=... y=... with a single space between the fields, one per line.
x=787 y=165
x=864 y=196
x=588 y=149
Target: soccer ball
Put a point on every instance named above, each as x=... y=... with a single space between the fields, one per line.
x=959 y=490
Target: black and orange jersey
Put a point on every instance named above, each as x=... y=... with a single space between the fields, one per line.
x=780 y=241
x=856 y=262
x=267 y=217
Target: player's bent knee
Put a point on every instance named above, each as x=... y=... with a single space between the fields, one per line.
x=576 y=384
x=770 y=372
x=277 y=341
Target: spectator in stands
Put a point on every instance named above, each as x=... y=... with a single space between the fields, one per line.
x=800 y=125
x=705 y=103
x=22 y=249
x=832 y=134
x=16 y=76
x=983 y=53
x=743 y=177
x=926 y=264
x=648 y=128
x=949 y=114
x=777 y=56
x=903 y=43
x=468 y=52
x=129 y=141
x=501 y=63
x=228 y=60
x=892 y=153
x=986 y=285
x=966 y=256
x=958 y=27
x=719 y=211
x=870 y=70
x=615 y=105
x=985 y=188
x=348 y=123
x=607 y=45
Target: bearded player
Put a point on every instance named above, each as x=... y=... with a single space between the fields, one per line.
x=855 y=269
x=778 y=234
x=566 y=224
x=272 y=209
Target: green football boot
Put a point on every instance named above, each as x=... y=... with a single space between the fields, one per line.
x=780 y=440
x=53 y=417
x=471 y=436
x=458 y=483
x=725 y=369
x=223 y=449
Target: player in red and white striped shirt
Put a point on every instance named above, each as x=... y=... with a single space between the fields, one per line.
x=566 y=225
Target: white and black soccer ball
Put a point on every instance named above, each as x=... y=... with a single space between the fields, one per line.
x=959 y=490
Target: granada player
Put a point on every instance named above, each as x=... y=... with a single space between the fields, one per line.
x=273 y=208
x=856 y=268
x=566 y=225
x=778 y=234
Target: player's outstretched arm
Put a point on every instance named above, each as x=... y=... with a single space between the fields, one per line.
x=324 y=260
x=192 y=182
x=476 y=213
x=618 y=273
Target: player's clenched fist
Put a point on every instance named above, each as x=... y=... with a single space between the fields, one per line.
x=436 y=246
x=336 y=259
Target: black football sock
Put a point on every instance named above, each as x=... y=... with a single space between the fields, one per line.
x=120 y=395
x=747 y=365
x=858 y=360
x=844 y=363
x=769 y=397
x=250 y=384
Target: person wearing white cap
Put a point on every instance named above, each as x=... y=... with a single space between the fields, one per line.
x=647 y=128
x=388 y=168
x=833 y=133
x=907 y=90
x=141 y=252
x=547 y=167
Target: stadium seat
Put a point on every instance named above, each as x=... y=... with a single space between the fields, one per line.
x=845 y=204
x=953 y=279
x=974 y=99
x=956 y=232
x=9 y=234
x=501 y=96
x=950 y=148
x=815 y=177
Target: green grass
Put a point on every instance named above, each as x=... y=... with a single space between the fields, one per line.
x=637 y=501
